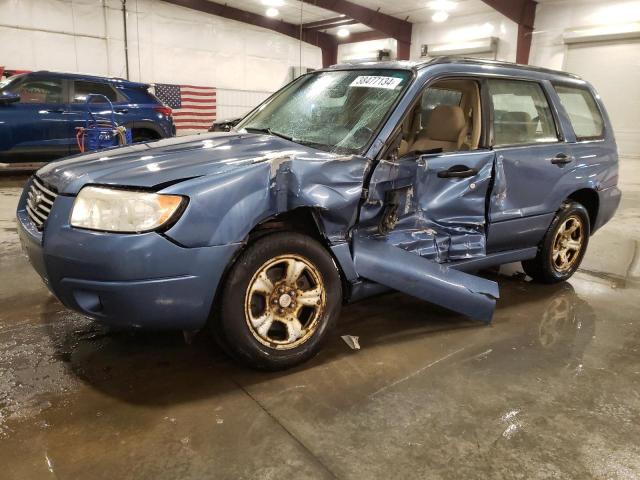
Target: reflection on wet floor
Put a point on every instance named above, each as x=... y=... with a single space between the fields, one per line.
x=551 y=389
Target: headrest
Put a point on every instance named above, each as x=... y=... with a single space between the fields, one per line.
x=516 y=126
x=516 y=117
x=445 y=123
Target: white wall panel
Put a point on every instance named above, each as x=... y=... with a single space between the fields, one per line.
x=465 y=28
x=16 y=47
x=352 y=51
x=613 y=67
x=554 y=17
x=235 y=103
x=176 y=45
x=53 y=51
x=87 y=17
x=91 y=56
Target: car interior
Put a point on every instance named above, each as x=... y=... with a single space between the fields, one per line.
x=447 y=118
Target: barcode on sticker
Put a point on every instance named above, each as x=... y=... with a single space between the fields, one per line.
x=371 y=81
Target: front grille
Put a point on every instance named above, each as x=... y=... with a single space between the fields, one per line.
x=40 y=199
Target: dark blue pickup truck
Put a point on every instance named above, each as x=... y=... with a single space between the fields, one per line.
x=39 y=113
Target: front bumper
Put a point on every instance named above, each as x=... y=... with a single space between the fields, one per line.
x=143 y=280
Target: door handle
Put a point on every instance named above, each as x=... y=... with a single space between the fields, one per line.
x=55 y=110
x=122 y=110
x=561 y=159
x=458 y=171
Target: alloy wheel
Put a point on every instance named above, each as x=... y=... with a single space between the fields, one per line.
x=284 y=301
x=568 y=243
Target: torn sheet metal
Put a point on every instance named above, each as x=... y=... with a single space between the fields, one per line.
x=441 y=218
x=407 y=272
x=352 y=341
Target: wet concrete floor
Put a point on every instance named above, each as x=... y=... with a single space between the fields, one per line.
x=550 y=390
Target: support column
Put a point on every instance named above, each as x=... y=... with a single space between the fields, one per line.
x=329 y=55
x=523 y=48
x=403 y=50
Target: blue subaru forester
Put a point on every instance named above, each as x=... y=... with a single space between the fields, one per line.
x=349 y=181
x=39 y=113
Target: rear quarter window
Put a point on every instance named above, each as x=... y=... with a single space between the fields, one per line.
x=82 y=89
x=583 y=112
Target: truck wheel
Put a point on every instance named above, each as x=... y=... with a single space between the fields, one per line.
x=280 y=299
x=562 y=247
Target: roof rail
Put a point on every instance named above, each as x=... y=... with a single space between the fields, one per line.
x=497 y=63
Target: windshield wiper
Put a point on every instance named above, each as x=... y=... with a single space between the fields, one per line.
x=268 y=131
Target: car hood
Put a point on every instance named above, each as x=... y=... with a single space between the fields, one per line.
x=157 y=164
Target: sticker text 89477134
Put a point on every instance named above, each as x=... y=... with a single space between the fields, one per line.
x=371 y=81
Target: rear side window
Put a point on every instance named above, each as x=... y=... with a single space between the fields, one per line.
x=521 y=113
x=82 y=89
x=582 y=110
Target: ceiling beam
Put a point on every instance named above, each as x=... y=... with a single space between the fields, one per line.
x=319 y=39
x=392 y=27
x=522 y=12
x=329 y=23
x=362 y=37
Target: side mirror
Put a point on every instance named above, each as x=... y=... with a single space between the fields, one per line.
x=224 y=125
x=8 y=97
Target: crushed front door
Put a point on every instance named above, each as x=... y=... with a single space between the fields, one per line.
x=424 y=212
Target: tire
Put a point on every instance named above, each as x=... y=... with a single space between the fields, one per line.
x=138 y=136
x=268 y=321
x=551 y=265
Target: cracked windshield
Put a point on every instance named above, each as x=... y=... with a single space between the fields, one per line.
x=335 y=111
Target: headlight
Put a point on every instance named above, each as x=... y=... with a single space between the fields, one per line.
x=115 y=210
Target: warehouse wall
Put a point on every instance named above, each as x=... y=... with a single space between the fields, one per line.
x=350 y=52
x=468 y=27
x=177 y=45
x=612 y=66
x=554 y=17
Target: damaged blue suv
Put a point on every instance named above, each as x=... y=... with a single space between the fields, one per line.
x=348 y=181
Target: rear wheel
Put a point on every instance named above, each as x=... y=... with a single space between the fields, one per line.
x=280 y=299
x=143 y=136
x=563 y=246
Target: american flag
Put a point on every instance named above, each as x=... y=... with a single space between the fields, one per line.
x=194 y=108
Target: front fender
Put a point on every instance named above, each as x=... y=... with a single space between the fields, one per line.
x=224 y=208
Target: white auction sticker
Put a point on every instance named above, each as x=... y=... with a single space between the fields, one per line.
x=376 y=82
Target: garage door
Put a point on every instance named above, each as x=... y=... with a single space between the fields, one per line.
x=614 y=69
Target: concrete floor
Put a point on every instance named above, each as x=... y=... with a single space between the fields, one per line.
x=550 y=390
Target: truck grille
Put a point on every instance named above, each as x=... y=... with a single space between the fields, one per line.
x=39 y=202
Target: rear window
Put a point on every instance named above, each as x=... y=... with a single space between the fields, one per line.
x=582 y=110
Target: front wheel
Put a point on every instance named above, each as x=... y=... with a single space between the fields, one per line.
x=563 y=246
x=281 y=298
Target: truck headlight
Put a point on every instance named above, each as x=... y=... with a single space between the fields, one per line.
x=126 y=211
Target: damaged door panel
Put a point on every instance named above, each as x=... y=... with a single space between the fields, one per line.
x=401 y=270
x=432 y=205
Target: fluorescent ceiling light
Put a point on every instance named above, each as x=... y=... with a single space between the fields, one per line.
x=272 y=12
x=273 y=3
x=442 y=5
x=343 y=33
x=440 y=16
